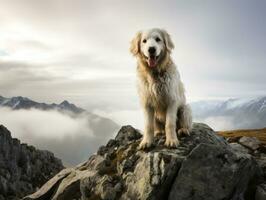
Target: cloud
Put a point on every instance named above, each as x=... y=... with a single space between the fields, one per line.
x=218 y=123
x=124 y=117
x=70 y=139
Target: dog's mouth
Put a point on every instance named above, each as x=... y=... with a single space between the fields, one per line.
x=152 y=60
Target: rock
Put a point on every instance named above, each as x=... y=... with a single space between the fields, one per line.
x=252 y=146
x=23 y=168
x=224 y=172
x=238 y=147
x=54 y=182
x=261 y=192
x=250 y=142
x=126 y=134
x=261 y=160
x=233 y=139
x=203 y=166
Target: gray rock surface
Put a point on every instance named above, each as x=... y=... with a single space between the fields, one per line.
x=23 y=168
x=204 y=166
x=212 y=172
x=250 y=142
x=261 y=192
x=251 y=146
x=239 y=148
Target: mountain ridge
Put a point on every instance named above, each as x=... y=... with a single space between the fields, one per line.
x=244 y=113
x=20 y=102
x=258 y=104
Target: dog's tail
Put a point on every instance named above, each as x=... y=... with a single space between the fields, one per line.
x=184 y=117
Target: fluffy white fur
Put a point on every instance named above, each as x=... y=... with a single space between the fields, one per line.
x=160 y=88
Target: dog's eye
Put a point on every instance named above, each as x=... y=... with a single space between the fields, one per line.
x=144 y=41
x=158 y=39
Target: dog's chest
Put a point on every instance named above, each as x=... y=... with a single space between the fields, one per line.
x=159 y=88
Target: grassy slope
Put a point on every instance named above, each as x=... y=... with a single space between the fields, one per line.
x=258 y=133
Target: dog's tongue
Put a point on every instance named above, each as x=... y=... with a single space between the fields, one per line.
x=152 y=62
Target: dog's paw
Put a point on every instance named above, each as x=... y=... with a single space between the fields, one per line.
x=183 y=131
x=172 y=142
x=145 y=143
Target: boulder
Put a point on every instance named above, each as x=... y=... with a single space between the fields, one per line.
x=239 y=148
x=211 y=172
x=250 y=142
x=203 y=166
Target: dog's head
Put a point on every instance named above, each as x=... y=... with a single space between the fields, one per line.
x=152 y=46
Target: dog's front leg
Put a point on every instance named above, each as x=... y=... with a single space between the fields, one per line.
x=149 y=128
x=170 y=126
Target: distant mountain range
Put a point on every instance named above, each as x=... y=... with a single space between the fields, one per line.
x=99 y=128
x=19 y=102
x=97 y=123
x=243 y=113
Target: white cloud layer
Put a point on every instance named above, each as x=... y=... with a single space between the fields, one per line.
x=28 y=124
x=124 y=117
x=219 y=123
x=70 y=139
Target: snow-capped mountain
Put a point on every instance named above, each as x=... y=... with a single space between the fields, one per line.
x=19 y=102
x=243 y=113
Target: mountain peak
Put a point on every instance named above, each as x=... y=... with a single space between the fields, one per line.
x=65 y=102
x=4 y=131
x=66 y=106
x=20 y=98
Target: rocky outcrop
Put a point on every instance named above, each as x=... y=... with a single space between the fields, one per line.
x=204 y=166
x=23 y=169
x=257 y=150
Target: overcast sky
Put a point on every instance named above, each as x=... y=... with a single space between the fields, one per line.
x=78 y=50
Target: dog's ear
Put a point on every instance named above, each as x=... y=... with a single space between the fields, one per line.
x=135 y=44
x=168 y=41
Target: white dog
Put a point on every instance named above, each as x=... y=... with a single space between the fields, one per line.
x=160 y=88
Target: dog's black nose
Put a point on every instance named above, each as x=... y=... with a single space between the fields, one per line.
x=151 y=50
